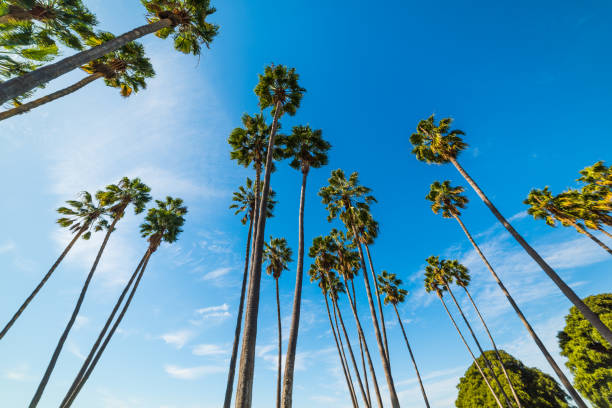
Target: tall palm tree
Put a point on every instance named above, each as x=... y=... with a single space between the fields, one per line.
x=307 y=149
x=389 y=287
x=116 y=197
x=434 y=283
x=439 y=144
x=343 y=198
x=162 y=224
x=126 y=68
x=278 y=256
x=244 y=202
x=184 y=19
x=277 y=88
x=449 y=201
x=598 y=179
x=322 y=250
x=592 y=206
x=81 y=217
x=561 y=208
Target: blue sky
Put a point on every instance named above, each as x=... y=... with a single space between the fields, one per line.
x=528 y=83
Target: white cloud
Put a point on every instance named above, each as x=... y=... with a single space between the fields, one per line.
x=7 y=247
x=80 y=322
x=178 y=338
x=191 y=373
x=217 y=273
x=19 y=373
x=209 y=350
x=74 y=350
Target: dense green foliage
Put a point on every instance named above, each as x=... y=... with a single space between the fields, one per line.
x=589 y=356
x=534 y=388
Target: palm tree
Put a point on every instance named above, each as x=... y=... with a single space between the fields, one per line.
x=434 y=283
x=308 y=150
x=116 y=198
x=126 y=68
x=598 y=178
x=244 y=202
x=389 y=286
x=84 y=217
x=277 y=88
x=278 y=256
x=185 y=19
x=561 y=208
x=439 y=144
x=322 y=250
x=448 y=200
x=162 y=224
x=344 y=198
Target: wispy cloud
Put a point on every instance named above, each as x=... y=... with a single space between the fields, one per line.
x=217 y=273
x=80 y=322
x=75 y=351
x=7 y=247
x=19 y=373
x=191 y=373
x=209 y=350
x=178 y=338
x=215 y=313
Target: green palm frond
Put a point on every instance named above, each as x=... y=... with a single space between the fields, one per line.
x=279 y=86
x=278 y=256
x=306 y=148
x=436 y=143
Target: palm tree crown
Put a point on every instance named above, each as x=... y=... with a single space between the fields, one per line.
x=278 y=255
x=598 y=178
x=83 y=214
x=244 y=201
x=545 y=206
x=437 y=272
x=307 y=148
x=388 y=284
x=436 y=144
x=279 y=86
x=250 y=143
x=119 y=196
x=164 y=222
x=446 y=198
x=344 y=197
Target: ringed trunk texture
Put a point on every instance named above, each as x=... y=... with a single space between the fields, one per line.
x=41 y=284
x=380 y=308
x=110 y=334
x=96 y=345
x=287 y=397
x=484 y=377
x=564 y=380
x=20 y=85
x=344 y=360
x=280 y=346
x=588 y=314
x=381 y=347
x=247 y=357
x=58 y=349
x=416 y=368
x=232 y=368
x=584 y=231
x=26 y=107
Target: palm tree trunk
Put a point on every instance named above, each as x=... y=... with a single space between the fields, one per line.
x=344 y=360
x=232 y=367
x=501 y=363
x=280 y=346
x=22 y=84
x=381 y=347
x=566 y=383
x=331 y=324
x=75 y=312
x=287 y=397
x=484 y=377
x=247 y=357
x=605 y=232
x=380 y=308
x=484 y=356
x=41 y=284
x=96 y=345
x=362 y=339
x=350 y=349
x=110 y=335
x=361 y=344
x=51 y=97
x=588 y=314
x=412 y=357
x=584 y=231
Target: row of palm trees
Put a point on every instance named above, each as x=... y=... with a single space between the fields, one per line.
x=102 y=212
x=31 y=29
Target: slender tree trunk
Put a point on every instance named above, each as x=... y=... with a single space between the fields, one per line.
x=344 y=360
x=75 y=312
x=361 y=344
x=566 y=383
x=331 y=324
x=416 y=368
x=350 y=349
x=604 y=232
x=353 y=302
x=287 y=397
x=484 y=356
x=232 y=367
x=41 y=284
x=584 y=231
x=110 y=334
x=588 y=314
x=26 y=107
x=484 y=377
x=22 y=84
x=380 y=308
x=247 y=357
x=96 y=345
x=501 y=362
x=381 y=347
x=280 y=346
